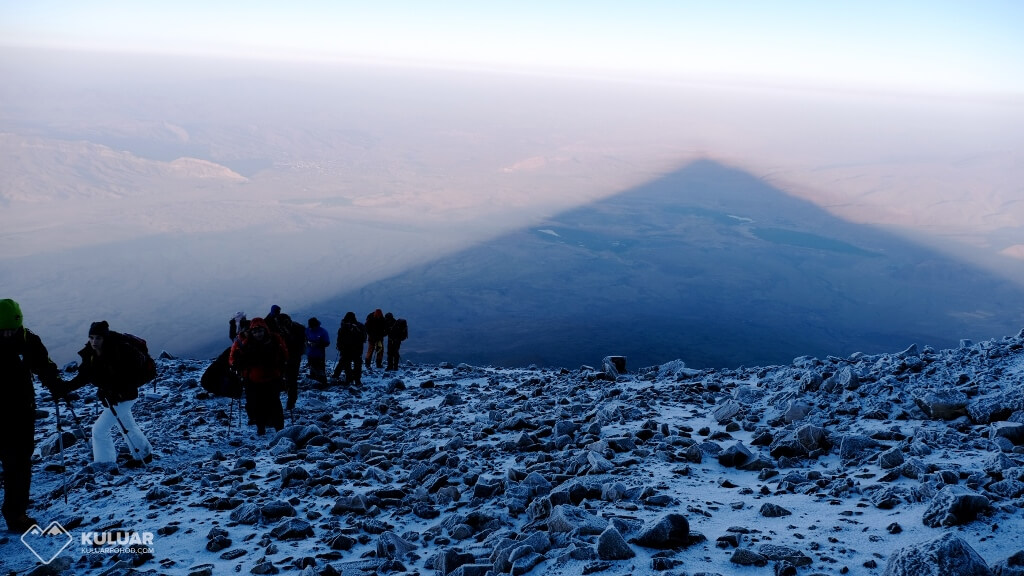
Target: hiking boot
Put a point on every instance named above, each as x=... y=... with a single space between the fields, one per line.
x=104 y=467
x=21 y=524
x=261 y=430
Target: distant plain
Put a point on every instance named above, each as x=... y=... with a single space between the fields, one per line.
x=513 y=219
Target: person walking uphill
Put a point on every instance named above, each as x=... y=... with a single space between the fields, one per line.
x=317 y=341
x=351 y=336
x=398 y=331
x=376 y=330
x=112 y=364
x=260 y=357
x=21 y=354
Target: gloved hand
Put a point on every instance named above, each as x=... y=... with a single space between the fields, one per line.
x=57 y=388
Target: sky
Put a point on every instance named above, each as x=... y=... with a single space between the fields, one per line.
x=930 y=46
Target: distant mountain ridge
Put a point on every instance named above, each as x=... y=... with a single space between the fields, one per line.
x=707 y=264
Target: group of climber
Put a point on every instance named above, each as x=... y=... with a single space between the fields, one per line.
x=263 y=361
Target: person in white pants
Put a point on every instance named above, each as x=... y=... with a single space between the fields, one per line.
x=109 y=362
x=103 y=442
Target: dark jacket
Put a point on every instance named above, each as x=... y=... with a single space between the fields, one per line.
x=376 y=326
x=292 y=333
x=351 y=336
x=22 y=355
x=114 y=372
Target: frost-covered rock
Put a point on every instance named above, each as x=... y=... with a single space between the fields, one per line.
x=947 y=555
x=954 y=505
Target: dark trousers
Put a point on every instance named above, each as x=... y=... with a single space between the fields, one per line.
x=352 y=364
x=16 y=456
x=393 y=347
x=291 y=374
x=263 y=405
x=317 y=369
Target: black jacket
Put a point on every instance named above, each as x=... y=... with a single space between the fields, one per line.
x=376 y=327
x=351 y=336
x=22 y=355
x=113 y=372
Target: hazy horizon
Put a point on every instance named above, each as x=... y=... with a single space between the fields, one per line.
x=163 y=189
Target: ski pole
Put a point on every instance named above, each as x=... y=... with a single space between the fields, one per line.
x=124 y=431
x=60 y=447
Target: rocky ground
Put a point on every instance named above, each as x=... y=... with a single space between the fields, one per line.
x=900 y=464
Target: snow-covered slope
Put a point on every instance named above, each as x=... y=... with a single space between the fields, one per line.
x=824 y=466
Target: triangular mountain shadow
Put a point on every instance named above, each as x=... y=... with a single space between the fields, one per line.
x=707 y=264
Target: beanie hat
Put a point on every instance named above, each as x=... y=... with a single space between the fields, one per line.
x=274 y=311
x=100 y=328
x=313 y=323
x=10 y=315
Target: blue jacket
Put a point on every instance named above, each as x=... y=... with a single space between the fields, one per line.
x=317 y=341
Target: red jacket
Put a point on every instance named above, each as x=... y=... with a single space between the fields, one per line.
x=259 y=361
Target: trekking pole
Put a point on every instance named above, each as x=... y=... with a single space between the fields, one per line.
x=60 y=447
x=74 y=416
x=124 y=431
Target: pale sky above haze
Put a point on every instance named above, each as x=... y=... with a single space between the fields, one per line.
x=929 y=46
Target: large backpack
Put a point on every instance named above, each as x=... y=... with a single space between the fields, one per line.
x=141 y=365
x=220 y=380
x=400 y=331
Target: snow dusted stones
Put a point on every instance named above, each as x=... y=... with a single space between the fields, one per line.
x=470 y=471
x=947 y=555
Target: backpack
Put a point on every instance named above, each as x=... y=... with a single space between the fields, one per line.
x=401 y=330
x=141 y=364
x=220 y=380
x=293 y=333
x=351 y=334
x=296 y=340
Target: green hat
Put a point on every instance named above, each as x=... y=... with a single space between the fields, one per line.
x=10 y=315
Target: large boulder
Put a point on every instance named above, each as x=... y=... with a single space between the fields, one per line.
x=669 y=531
x=954 y=505
x=948 y=555
x=943 y=404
